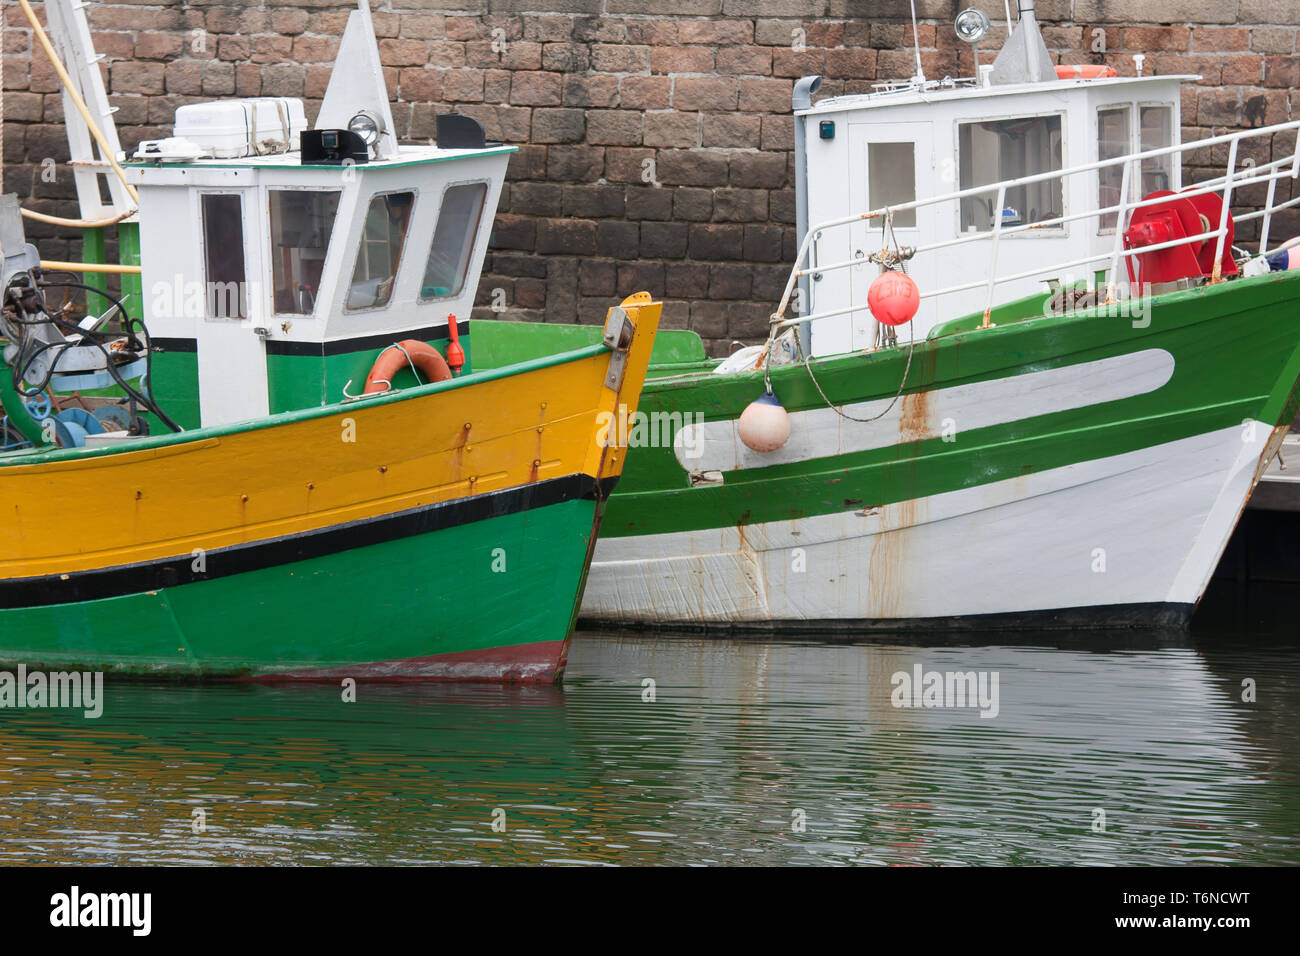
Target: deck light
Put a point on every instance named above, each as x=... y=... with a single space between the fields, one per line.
x=971 y=25
x=366 y=125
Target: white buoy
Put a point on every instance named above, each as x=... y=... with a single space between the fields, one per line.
x=764 y=424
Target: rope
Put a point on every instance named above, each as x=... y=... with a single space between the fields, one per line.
x=807 y=364
x=892 y=251
x=94 y=132
x=56 y=265
x=76 y=223
x=409 y=362
x=71 y=88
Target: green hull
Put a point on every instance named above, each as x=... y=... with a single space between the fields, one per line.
x=975 y=498
x=491 y=599
x=1236 y=349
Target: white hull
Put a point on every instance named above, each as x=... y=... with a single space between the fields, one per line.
x=1144 y=528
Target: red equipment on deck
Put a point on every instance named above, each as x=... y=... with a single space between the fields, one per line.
x=1178 y=217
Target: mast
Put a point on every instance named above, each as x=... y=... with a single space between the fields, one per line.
x=70 y=34
x=1024 y=59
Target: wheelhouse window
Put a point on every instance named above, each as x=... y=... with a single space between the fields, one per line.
x=453 y=241
x=891 y=179
x=1114 y=140
x=223 y=255
x=380 y=252
x=1000 y=150
x=302 y=222
x=1157 y=131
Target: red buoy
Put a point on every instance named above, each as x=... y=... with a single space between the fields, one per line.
x=893 y=297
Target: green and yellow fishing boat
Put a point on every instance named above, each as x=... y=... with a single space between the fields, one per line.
x=297 y=463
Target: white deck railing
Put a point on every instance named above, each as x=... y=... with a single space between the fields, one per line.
x=1233 y=179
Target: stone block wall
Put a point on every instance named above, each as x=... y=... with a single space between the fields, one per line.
x=655 y=137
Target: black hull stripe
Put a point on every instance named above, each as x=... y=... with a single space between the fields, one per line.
x=122 y=580
x=1156 y=615
x=321 y=349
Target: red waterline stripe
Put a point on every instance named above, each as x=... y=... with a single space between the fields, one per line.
x=539 y=663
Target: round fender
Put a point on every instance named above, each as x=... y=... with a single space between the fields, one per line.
x=396 y=357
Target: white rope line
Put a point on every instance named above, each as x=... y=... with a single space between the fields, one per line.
x=409 y=362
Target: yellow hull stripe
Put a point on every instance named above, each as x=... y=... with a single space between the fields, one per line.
x=359 y=461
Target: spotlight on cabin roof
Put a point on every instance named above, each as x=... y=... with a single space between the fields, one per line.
x=971 y=25
x=366 y=125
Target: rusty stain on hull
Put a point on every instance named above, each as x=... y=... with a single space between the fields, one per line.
x=915 y=423
x=887 y=569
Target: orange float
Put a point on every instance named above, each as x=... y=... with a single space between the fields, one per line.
x=1084 y=71
x=396 y=357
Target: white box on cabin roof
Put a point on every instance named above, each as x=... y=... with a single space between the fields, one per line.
x=233 y=129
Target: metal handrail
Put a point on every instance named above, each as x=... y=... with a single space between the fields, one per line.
x=1232 y=179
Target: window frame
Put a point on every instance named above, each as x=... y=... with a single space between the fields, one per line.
x=347 y=279
x=1132 y=132
x=473 y=248
x=1062 y=115
x=238 y=194
x=331 y=248
x=1175 y=139
x=871 y=204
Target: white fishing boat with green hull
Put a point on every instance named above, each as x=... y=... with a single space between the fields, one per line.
x=1092 y=382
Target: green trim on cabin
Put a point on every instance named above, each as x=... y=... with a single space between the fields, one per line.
x=293 y=381
x=1213 y=387
x=175 y=387
x=448 y=157
x=303 y=381
x=436 y=593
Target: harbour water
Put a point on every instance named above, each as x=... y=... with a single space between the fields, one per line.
x=1110 y=748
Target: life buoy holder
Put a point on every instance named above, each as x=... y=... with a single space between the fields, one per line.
x=1084 y=71
x=396 y=357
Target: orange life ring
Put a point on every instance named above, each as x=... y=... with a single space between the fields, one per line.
x=394 y=358
x=1084 y=71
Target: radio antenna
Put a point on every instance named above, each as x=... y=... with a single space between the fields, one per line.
x=916 y=45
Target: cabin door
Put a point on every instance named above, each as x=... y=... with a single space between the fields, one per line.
x=231 y=353
x=232 y=373
x=889 y=163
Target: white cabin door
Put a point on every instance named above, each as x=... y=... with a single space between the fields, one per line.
x=889 y=163
x=232 y=373
x=231 y=354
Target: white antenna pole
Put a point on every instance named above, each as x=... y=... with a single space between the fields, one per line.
x=916 y=44
x=1006 y=4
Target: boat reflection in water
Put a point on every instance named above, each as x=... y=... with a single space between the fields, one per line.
x=750 y=751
